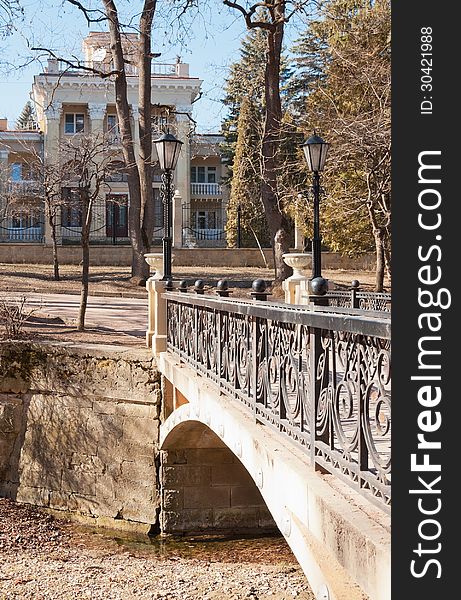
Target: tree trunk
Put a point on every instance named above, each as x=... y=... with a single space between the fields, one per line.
x=380 y=261
x=52 y=223
x=139 y=268
x=379 y=245
x=278 y=223
x=85 y=241
x=145 y=126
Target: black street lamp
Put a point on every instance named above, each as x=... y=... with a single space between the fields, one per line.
x=168 y=148
x=315 y=151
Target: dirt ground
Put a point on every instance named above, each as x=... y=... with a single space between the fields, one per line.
x=44 y=558
x=108 y=281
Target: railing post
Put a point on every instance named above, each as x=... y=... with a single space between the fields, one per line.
x=362 y=445
x=355 y=284
x=256 y=358
x=319 y=375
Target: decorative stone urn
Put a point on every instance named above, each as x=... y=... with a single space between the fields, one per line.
x=155 y=261
x=299 y=262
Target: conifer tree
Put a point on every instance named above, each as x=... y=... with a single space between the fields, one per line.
x=245 y=188
x=26 y=119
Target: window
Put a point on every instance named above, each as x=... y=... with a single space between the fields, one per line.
x=16 y=172
x=211 y=175
x=204 y=219
x=74 y=123
x=71 y=212
x=203 y=174
x=116 y=171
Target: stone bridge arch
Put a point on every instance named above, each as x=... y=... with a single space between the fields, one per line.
x=205 y=486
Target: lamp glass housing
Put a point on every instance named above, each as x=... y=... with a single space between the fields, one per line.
x=315 y=151
x=168 y=148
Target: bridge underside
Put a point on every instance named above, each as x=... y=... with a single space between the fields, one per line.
x=206 y=488
x=223 y=471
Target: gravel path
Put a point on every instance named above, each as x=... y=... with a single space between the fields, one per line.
x=42 y=558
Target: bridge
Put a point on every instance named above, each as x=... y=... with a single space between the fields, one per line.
x=278 y=415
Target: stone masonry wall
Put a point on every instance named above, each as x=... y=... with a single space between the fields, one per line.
x=208 y=489
x=79 y=430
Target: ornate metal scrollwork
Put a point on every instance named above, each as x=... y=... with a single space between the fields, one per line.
x=326 y=389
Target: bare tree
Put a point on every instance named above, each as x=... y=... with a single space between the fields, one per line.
x=139 y=172
x=86 y=159
x=9 y=11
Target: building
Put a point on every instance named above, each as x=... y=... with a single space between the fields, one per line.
x=70 y=102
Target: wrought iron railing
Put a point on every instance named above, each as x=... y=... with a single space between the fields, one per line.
x=322 y=379
x=357 y=299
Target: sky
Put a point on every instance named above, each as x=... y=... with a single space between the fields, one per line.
x=209 y=42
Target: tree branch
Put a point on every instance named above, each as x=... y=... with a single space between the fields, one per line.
x=77 y=64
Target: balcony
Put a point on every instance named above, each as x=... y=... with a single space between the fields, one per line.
x=24 y=187
x=205 y=189
x=157 y=70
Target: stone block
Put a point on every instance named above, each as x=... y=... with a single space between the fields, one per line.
x=242 y=495
x=138 y=428
x=139 y=470
x=185 y=475
x=104 y=406
x=230 y=474
x=137 y=409
x=86 y=464
x=134 y=491
x=143 y=512
x=105 y=429
x=209 y=456
x=236 y=518
x=35 y=474
x=265 y=519
x=172 y=500
x=174 y=457
x=78 y=482
x=61 y=501
x=207 y=497
x=191 y=520
x=33 y=495
x=105 y=487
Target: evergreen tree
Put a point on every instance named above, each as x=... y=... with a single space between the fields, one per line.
x=246 y=80
x=26 y=119
x=242 y=129
x=245 y=188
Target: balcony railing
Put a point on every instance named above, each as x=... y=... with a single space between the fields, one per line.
x=205 y=189
x=24 y=187
x=320 y=378
x=164 y=69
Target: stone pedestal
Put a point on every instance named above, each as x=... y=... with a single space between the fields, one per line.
x=156 y=322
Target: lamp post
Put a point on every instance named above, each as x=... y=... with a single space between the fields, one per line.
x=168 y=148
x=315 y=151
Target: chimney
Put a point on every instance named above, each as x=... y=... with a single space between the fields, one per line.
x=53 y=66
x=182 y=69
x=4 y=124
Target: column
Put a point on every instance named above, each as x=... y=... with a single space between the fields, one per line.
x=177 y=214
x=96 y=116
x=51 y=141
x=4 y=175
x=135 y=127
x=182 y=173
